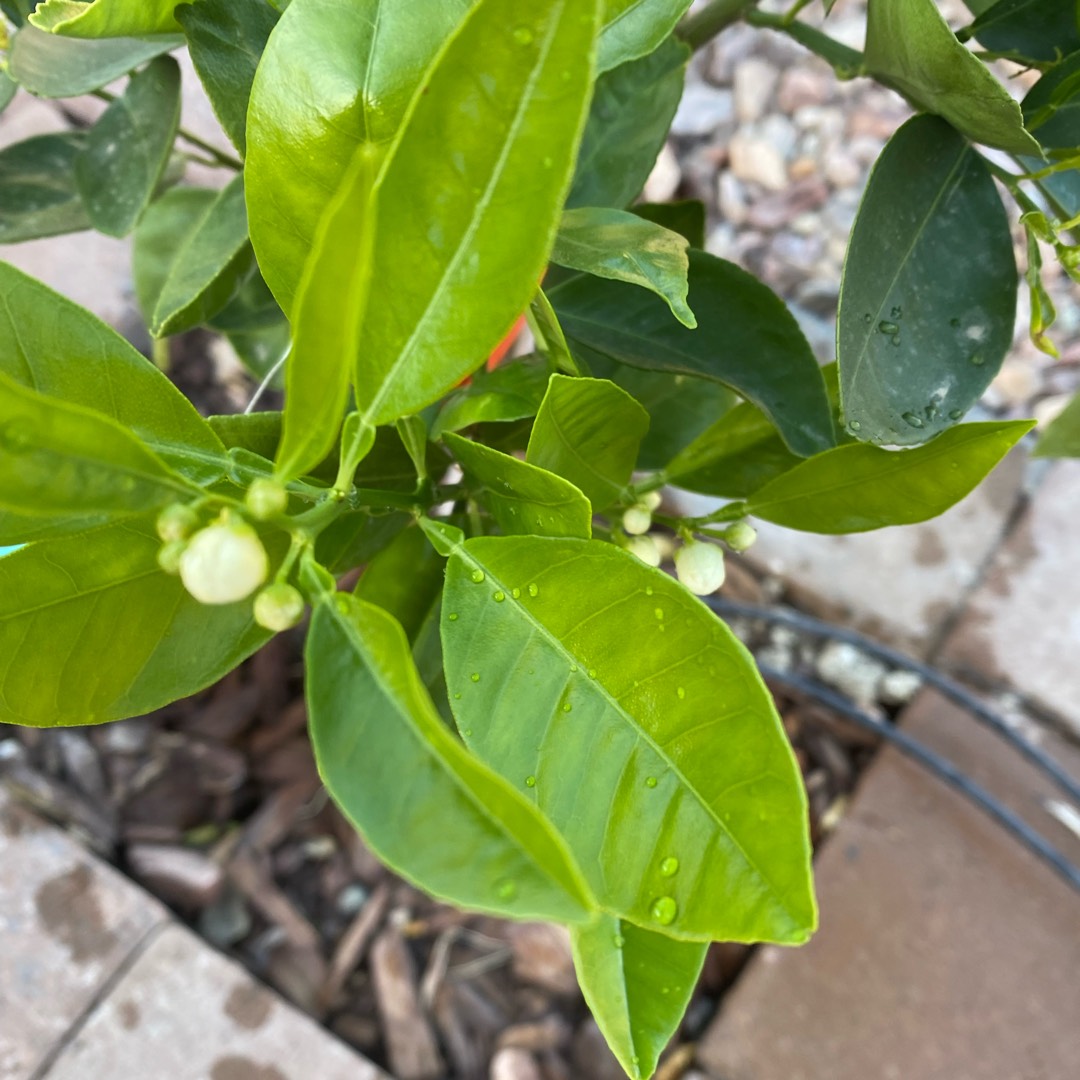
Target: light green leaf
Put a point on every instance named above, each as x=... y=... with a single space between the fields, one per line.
x=513 y=391
x=329 y=309
x=392 y=766
x=38 y=193
x=632 y=109
x=634 y=28
x=91 y=630
x=639 y=725
x=1035 y=30
x=106 y=18
x=637 y=984
x=359 y=62
x=1061 y=439
x=127 y=150
x=910 y=47
x=928 y=297
x=524 y=499
x=8 y=89
x=56 y=67
x=746 y=339
x=206 y=269
x=857 y=488
x=507 y=100
x=621 y=246
x=550 y=339
x=226 y=39
x=589 y=431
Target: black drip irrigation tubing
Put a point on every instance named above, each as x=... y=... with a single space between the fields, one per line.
x=934 y=763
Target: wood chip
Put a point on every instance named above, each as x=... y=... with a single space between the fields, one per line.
x=354 y=944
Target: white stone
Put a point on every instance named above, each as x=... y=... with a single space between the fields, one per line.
x=851 y=671
x=755 y=81
x=664 y=179
x=757 y=161
x=731 y=198
x=702 y=110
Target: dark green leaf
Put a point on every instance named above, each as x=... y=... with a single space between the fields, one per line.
x=394 y=769
x=252 y=308
x=910 y=47
x=127 y=150
x=634 y=28
x=300 y=144
x=91 y=630
x=687 y=218
x=622 y=246
x=355 y=539
x=507 y=99
x=1052 y=106
x=17 y=10
x=1029 y=29
x=226 y=39
x=637 y=984
x=746 y=339
x=1061 y=439
x=857 y=488
x=524 y=499
x=640 y=726
x=513 y=391
x=38 y=193
x=589 y=431
x=928 y=298
x=106 y=18
x=56 y=67
x=632 y=109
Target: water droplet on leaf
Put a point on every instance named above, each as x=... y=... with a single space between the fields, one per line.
x=650 y=781
x=889 y=328
x=534 y=590
x=475 y=676
x=530 y=781
x=669 y=867
x=499 y=597
x=477 y=576
x=913 y=420
x=681 y=691
x=523 y=35
x=506 y=889
x=515 y=593
x=17 y=436
x=664 y=910
x=452 y=616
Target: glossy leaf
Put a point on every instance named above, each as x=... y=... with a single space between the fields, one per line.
x=857 y=488
x=634 y=28
x=632 y=109
x=91 y=630
x=910 y=47
x=355 y=539
x=524 y=499
x=548 y=332
x=392 y=766
x=330 y=306
x=513 y=391
x=638 y=984
x=38 y=193
x=928 y=298
x=621 y=246
x=1029 y=29
x=356 y=88
x=127 y=150
x=687 y=218
x=74 y=356
x=1052 y=107
x=226 y=39
x=106 y=18
x=609 y=693
x=1061 y=439
x=207 y=267
x=56 y=67
x=507 y=99
x=746 y=339
x=589 y=431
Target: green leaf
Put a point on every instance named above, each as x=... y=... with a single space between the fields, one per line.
x=639 y=725
x=355 y=90
x=638 y=984
x=91 y=630
x=329 y=309
x=524 y=499
x=127 y=150
x=632 y=109
x=550 y=339
x=1029 y=29
x=1052 y=106
x=38 y=193
x=589 y=431
x=56 y=67
x=74 y=356
x=394 y=769
x=687 y=218
x=634 y=28
x=513 y=391
x=226 y=39
x=507 y=99
x=928 y=298
x=355 y=539
x=208 y=266
x=746 y=339
x=910 y=47
x=622 y=246
x=1061 y=439
x=8 y=89
x=857 y=488
x=106 y=18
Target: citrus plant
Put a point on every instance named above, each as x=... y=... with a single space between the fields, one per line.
x=518 y=710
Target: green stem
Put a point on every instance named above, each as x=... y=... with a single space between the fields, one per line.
x=698 y=30
x=846 y=62
x=160 y=352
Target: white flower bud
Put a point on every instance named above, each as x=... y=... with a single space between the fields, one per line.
x=224 y=563
x=637 y=521
x=279 y=607
x=176 y=522
x=266 y=499
x=740 y=536
x=665 y=544
x=651 y=500
x=700 y=567
x=644 y=547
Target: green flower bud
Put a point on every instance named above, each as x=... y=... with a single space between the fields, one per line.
x=740 y=536
x=651 y=500
x=169 y=556
x=177 y=522
x=644 y=547
x=637 y=521
x=700 y=567
x=279 y=607
x=224 y=563
x=266 y=499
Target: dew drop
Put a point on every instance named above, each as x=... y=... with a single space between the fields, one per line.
x=515 y=593
x=457 y=697
x=573 y=669
x=17 y=436
x=956 y=414
x=342 y=604
x=499 y=597
x=534 y=590
x=506 y=889
x=868 y=318
x=911 y=419
x=664 y=910
x=530 y=781
x=477 y=576
x=475 y=676
x=648 y=590
x=977 y=359
x=895 y=339
x=619 y=941
x=523 y=35
x=650 y=781
x=467 y=733
x=658 y=612
x=889 y=328
x=567 y=707
x=452 y=616
x=592 y=673
x=669 y=867
x=855 y=426
x=681 y=691
x=634 y=1059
